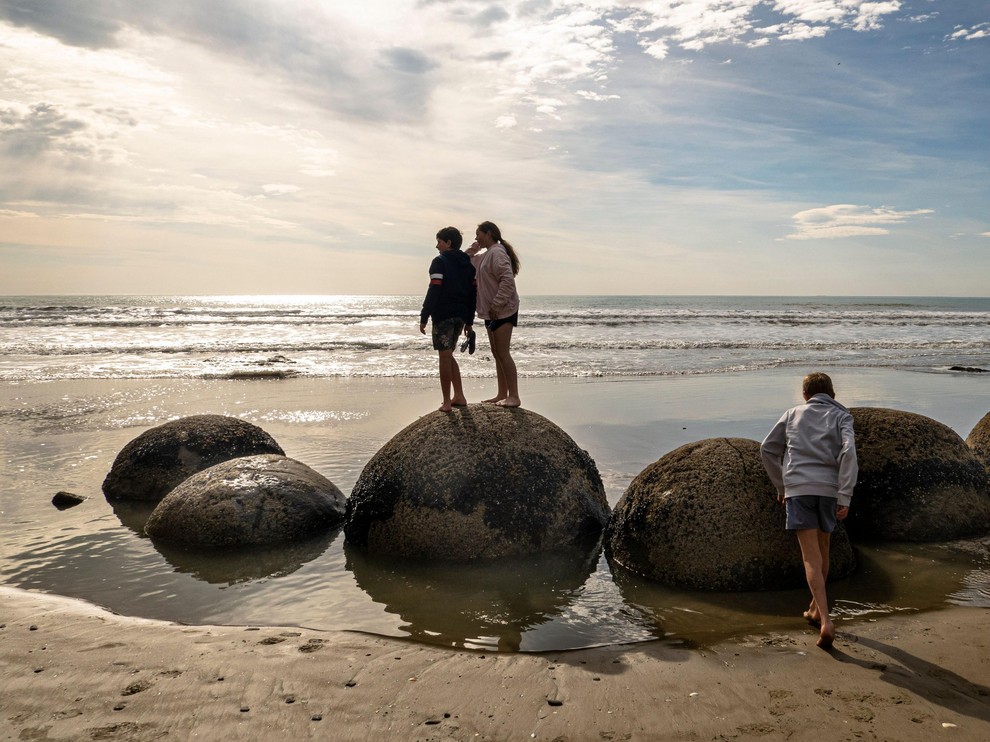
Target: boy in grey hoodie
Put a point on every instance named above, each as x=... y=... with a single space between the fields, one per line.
x=810 y=455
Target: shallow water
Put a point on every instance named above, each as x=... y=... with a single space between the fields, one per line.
x=65 y=435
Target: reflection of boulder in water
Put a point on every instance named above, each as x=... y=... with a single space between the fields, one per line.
x=253 y=500
x=244 y=564
x=705 y=516
x=478 y=483
x=479 y=604
x=152 y=464
x=918 y=480
x=133 y=514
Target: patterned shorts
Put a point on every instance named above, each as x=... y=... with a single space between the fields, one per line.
x=446 y=332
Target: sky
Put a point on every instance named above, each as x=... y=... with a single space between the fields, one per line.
x=738 y=147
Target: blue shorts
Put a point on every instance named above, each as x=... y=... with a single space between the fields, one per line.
x=811 y=511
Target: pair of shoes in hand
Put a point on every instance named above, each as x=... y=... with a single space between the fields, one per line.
x=468 y=344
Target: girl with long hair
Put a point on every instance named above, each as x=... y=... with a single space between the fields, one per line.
x=496 y=265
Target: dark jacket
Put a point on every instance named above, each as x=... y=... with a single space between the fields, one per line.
x=453 y=291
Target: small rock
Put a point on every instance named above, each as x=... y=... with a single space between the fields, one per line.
x=66 y=500
x=555 y=702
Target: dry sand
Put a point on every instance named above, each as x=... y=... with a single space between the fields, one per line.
x=70 y=670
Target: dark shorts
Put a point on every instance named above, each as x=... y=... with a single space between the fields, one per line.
x=811 y=511
x=446 y=332
x=493 y=324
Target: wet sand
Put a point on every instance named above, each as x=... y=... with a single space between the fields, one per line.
x=71 y=670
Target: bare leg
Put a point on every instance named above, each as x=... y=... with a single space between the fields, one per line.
x=457 y=397
x=811 y=553
x=503 y=392
x=450 y=376
x=824 y=540
x=505 y=367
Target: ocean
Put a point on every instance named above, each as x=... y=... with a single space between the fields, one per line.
x=332 y=379
x=125 y=337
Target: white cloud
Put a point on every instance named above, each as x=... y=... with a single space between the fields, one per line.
x=979 y=31
x=848 y=220
x=280 y=189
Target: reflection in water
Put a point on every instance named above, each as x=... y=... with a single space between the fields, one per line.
x=891 y=577
x=478 y=605
x=133 y=514
x=231 y=566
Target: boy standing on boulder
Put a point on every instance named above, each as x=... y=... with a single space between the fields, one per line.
x=810 y=455
x=450 y=302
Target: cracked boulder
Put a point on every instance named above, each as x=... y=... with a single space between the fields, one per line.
x=249 y=501
x=918 y=480
x=705 y=516
x=480 y=482
x=152 y=464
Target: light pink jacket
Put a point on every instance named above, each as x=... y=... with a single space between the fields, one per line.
x=497 y=297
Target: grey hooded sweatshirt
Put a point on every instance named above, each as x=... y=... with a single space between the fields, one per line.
x=812 y=451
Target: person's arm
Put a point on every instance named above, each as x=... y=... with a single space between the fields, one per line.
x=848 y=463
x=432 y=293
x=772 y=453
x=473 y=298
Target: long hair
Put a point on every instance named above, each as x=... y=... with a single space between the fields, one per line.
x=492 y=230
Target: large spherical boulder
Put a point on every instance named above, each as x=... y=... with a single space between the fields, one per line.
x=979 y=440
x=705 y=516
x=152 y=464
x=253 y=500
x=480 y=482
x=918 y=480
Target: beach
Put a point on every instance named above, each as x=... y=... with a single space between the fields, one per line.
x=73 y=671
x=131 y=640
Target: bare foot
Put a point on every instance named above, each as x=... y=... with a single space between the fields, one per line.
x=509 y=402
x=446 y=407
x=827 y=636
x=459 y=402
x=493 y=400
x=811 y=618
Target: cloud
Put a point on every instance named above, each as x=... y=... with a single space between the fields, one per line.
x=280 y=189
x=40 y=128
x=848 y=220
x=93 y=24
x=979 y=31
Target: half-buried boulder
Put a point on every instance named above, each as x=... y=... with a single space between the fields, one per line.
x=480 y=482
x=979 y=440
x=156 y=461
x=918 y=480
x=705 y=516
x=254 y=500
